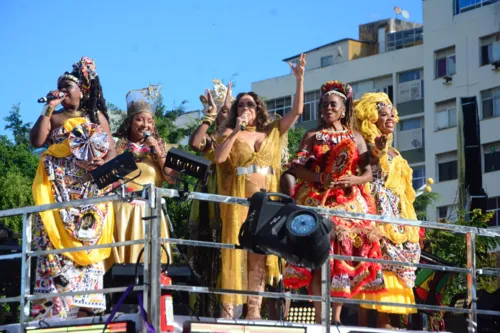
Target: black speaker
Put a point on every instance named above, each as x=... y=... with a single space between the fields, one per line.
x=472 y=149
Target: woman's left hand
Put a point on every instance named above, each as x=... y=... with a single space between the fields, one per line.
x=348 y=181
x=152 y=142
x=96 y=162
x=300 y=67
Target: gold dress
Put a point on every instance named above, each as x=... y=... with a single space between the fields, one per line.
x=234 y=271
x=128 y=216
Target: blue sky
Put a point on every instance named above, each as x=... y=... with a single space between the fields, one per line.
x=181 y=44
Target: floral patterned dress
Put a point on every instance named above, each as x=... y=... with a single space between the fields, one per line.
x=69 y=180
x=336 y=153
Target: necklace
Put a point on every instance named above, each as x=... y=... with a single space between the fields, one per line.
x=251 y=129
x=329 y=135
x=72 y=114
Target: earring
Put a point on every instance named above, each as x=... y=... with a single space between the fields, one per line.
x=343 y=114
x=81 y=95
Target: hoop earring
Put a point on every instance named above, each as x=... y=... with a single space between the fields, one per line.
x=343 y=114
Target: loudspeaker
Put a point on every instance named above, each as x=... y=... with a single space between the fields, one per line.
x=472 y=149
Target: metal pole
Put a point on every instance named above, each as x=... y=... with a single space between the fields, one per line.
x=471 y=281
x=26 y=270
x=146 y=254
x=325 y=294
x=156 y=253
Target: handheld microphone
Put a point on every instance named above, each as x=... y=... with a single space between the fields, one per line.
x=147 y=134
x=243 y=126
x=50 y=97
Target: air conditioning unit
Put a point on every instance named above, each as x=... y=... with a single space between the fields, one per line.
x=409 y=140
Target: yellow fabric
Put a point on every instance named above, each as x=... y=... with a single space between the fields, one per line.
x=128 y=217
x=234 y=262
x=399 y=180
x=42 y=195
x=396 y=293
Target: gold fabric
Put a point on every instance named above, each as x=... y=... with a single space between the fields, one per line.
x=128 y=216
x=399 y=180
x=234 y=271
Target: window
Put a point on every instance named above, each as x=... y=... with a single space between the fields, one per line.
x=410 y=124
x=493 y=204
x=410 y=86
x=327 y=61
x=418 y=177
x=447 y=213
x=447 y=166
x=409 y=76
x=411 y=134
x=445 y=62
x=359 y=88
x=406 y=38
x=311 y=104
x=491 y=102
x=490 y=49
x=446 y=114
x=491 y=157
x=279 y=106
x=461 y=6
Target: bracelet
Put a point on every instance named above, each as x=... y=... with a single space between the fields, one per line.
x=203 y=143
x=47 y=110
x=377 y=152
x=209 y=119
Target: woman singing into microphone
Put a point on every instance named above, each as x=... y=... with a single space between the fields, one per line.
x=250 y=160
x=138 y=135
x=79 y=140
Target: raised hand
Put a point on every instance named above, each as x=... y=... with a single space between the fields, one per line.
x=55 y=102
x=227 y=100
x=381 y=142
x=208 y=103
x=299 y=69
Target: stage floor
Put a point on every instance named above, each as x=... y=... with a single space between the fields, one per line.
x=180 y=320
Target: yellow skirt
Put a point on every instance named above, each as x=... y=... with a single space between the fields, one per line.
x=396 y=293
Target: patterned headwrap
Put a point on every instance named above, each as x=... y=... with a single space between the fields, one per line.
x=84 y=71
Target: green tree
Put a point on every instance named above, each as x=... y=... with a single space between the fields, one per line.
x=19 y=129
x=294 y=137
x=422 y=202
x=452 y=248
x=116 y=116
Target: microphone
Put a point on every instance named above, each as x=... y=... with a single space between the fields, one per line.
x=50 y=97
x=147 y=134
x=243 y=126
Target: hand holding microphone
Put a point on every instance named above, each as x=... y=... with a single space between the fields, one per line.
x=243 y=124
x=148 y=138
x=51 y=96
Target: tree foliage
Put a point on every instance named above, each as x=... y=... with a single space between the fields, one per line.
x=19 y=129
x=116 y=116
x=452 y=247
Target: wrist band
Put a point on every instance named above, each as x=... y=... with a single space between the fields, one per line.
x=47 y=111
x=322 y=178
x=203 y=143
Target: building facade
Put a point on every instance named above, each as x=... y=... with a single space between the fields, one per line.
x=424 y=74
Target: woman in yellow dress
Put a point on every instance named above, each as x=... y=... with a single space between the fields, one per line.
x=248 y=161
x=79 y=140
x=133 y=137
x=375 y=119
x=204 y=219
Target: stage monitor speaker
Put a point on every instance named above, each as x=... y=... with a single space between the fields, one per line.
x=472 y=149
x=197 y=327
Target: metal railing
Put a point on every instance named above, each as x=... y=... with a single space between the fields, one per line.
x=152 y=288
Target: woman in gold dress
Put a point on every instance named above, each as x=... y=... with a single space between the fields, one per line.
x=133 y=137
x=392 y=189
x=204 y=219
x=248 y=161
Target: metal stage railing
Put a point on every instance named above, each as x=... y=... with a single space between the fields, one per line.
x=152 y=288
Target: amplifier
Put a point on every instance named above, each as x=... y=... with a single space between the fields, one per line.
x=115 y=327
x=197 y=327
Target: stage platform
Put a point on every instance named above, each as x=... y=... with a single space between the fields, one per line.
x=181 y=320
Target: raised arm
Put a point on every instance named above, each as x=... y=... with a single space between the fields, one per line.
x=41 y=130
x=376 y=151
x=298 y=102
x=200 y=141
